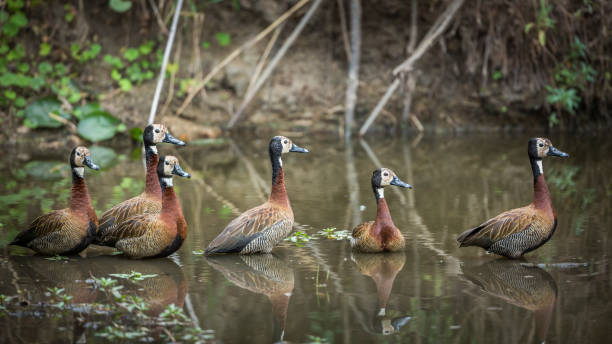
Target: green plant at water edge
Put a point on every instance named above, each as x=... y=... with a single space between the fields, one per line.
x=135 y=65
x=571 y=77
x=42 y=67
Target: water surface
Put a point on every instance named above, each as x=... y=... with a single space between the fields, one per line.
x=432 y=292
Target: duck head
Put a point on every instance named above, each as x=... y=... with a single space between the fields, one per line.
x=384 y=177
x=167 y=167
x=79 y=158
x=157 y=133
x=539 y=148
x=280 y=145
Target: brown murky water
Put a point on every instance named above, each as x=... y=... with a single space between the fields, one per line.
x=433 y=292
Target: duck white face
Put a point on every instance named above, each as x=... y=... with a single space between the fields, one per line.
x=157 y=133
x=384 y=177
x=79 y=158
x=168 y=166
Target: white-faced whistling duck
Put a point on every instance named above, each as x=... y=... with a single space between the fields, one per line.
x=148 y=202
x=380 y=235
x=259 y=229
x=66 y=231
x=155 y=235
x=518 y=231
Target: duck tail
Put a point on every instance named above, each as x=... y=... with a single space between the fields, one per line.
x=464 y=238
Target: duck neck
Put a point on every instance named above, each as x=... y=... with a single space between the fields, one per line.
x=80 y=202
x=383 y=216
x=541 y=195
x=278 y=194
x=171 y=208
x=152 y=186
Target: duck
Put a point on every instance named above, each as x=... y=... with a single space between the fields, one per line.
x=380 y=235
x=259 y=229
x=515 y=232
x=67 y=231
x=155 y=235
x=150 y=200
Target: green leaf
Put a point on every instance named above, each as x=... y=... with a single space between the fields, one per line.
x=85 y=110
x=20 y=102
x=146 y=48
x=103 y=156
x=120 y=5
x=172 y=68
x=4 y=16
x=10 y=94
x=14 y=5
x=45 y=49
x=23 y=67
x=116 y=75
x=223 y=38
x=136 y=134
x=205 y=44
x=542 y=37
x=37 y=113
x=19 y=19
x=45 y=67
x=98 y=126
x=60 y=68
x=17 y=53
x=131 y=54
x=125 y=85
x=46 y=170
x=528 y=27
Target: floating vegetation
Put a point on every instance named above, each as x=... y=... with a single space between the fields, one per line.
x=299 y=238
x=197 y=252
x=134 y=276
x=58 y=258
x=335 y=234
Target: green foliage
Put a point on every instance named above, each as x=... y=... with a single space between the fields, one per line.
x=135 y=66
x=120 y=5
x=103 y=156
x=543 y=22
x=571 y=77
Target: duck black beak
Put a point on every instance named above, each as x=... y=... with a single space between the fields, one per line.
x=90 y=163
x=179 y=171
x=296 y=149
x=171 y=139
x=397 y=182
x=552 y=151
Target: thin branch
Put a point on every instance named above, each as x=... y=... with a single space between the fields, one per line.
x=353 y=75
x=379 y=106
x=345 y=38
x=263 y=59
x=160 y=22
x=238 y=51
x=274 y=62
x=162 y=72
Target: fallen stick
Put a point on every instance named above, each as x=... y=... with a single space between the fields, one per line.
x=274 y=62
x=263 y=59
x=238 y=51
x=381 y=103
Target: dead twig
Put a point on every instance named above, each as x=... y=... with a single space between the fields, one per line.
x=274 y=62
x=345 y=38
x=158 y=17
x=235 y=53
x=264 y=58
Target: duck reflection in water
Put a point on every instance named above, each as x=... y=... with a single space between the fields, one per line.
x=527 y=287
x=382 y=268
x=261 y=274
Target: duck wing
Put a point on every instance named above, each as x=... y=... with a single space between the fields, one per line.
x=46 y=224
x=499 y=227
x=123 y=211
x=362 y=229
x=134 y=227
x=248 y=226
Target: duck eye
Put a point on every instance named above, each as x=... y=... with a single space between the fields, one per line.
x=541 y=145
x=386 y=174
x=286 y=141
x=157 y=131
x=167 y=163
